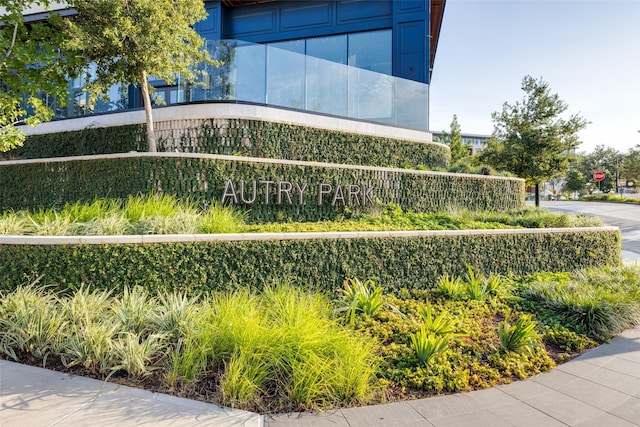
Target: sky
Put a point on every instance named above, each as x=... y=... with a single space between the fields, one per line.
x=587 y=50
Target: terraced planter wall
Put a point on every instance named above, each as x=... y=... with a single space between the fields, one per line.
x=269 y=189
x=195 y=263
x=253 y=138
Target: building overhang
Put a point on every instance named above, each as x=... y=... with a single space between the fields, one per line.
x=436 y=13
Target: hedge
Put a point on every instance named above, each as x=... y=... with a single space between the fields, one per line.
x=321 y=264
x=44 y=184
x=253 y=138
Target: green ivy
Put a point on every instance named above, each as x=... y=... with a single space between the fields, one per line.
x=52 y=184
x=254 y=138
x=395 y=263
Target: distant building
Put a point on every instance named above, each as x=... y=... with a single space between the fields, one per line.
x=474 y=142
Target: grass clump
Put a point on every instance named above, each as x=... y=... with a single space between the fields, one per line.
x=610 y=198
x=600 y=310
x=165 y=214
x=282 y=346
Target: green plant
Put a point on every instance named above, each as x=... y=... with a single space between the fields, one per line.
x=476 y=286
x=13 y=223
x=359 y=297
x=443 y=324
x=221 y=219
x=600 y=311
x=321 y=263
x=520 y=337
x=25 y=186
x=108 y=224
x=91 y=346
x=30 y=322
x=451 y=287
x=428 y=345
x=86 y=306
x=566 y=340
x=134 y=310
x=243 y=376
x=51 y=223
x=134 y=353
x=253 y=138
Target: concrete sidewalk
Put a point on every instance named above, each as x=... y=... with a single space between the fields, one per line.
x=600 y=388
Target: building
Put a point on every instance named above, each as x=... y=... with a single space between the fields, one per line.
x=474 y=142
x=369 y=60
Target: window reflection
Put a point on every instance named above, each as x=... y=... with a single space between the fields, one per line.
x=285 y=74
x=371 y=51
x=345 y=75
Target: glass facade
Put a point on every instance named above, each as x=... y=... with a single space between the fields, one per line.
x=345 y=75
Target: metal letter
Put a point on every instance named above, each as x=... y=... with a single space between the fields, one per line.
x=321 y=191
x=284 y=187
x=367 y=194
x=255 y=192
x=338 y=196
x=354 y=190
x=229 y=191
x=266 y=190
x=301 y=190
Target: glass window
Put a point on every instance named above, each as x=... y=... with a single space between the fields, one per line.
x=285 y=74
x=332 y=48
x=371 y=51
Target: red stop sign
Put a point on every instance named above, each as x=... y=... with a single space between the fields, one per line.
x=598 y=176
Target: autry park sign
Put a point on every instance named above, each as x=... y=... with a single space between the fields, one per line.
x=295 y=193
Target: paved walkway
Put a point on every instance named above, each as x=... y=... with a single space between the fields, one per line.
x=599 y=388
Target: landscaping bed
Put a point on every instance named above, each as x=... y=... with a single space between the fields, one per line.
x=287 y=348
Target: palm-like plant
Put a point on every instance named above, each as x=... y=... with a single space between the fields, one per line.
x=428 y=345
x=520 y=337
x=360 y=297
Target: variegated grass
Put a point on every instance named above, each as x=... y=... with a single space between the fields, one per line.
x=12 y=223
x=30 y=322
x=134 y=310
x=284 y=341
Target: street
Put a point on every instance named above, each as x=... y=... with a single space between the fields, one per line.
x=624 y=216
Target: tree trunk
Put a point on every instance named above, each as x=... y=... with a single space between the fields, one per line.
x=537 y=195
x=151 y=135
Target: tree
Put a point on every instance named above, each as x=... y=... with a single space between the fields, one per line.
x=454 y=140
x=31 y=64
x=605 y=159
x=574 y=182
x=125 y=41
x=530 y=139
x=630 y=166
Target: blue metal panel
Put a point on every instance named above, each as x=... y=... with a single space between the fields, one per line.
x=253 y=23
x=357 y=11
x=286 y=20
x=412 y=52
x=210 y=27
x=304 y=15
x=411 y=39
x=404 y=6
